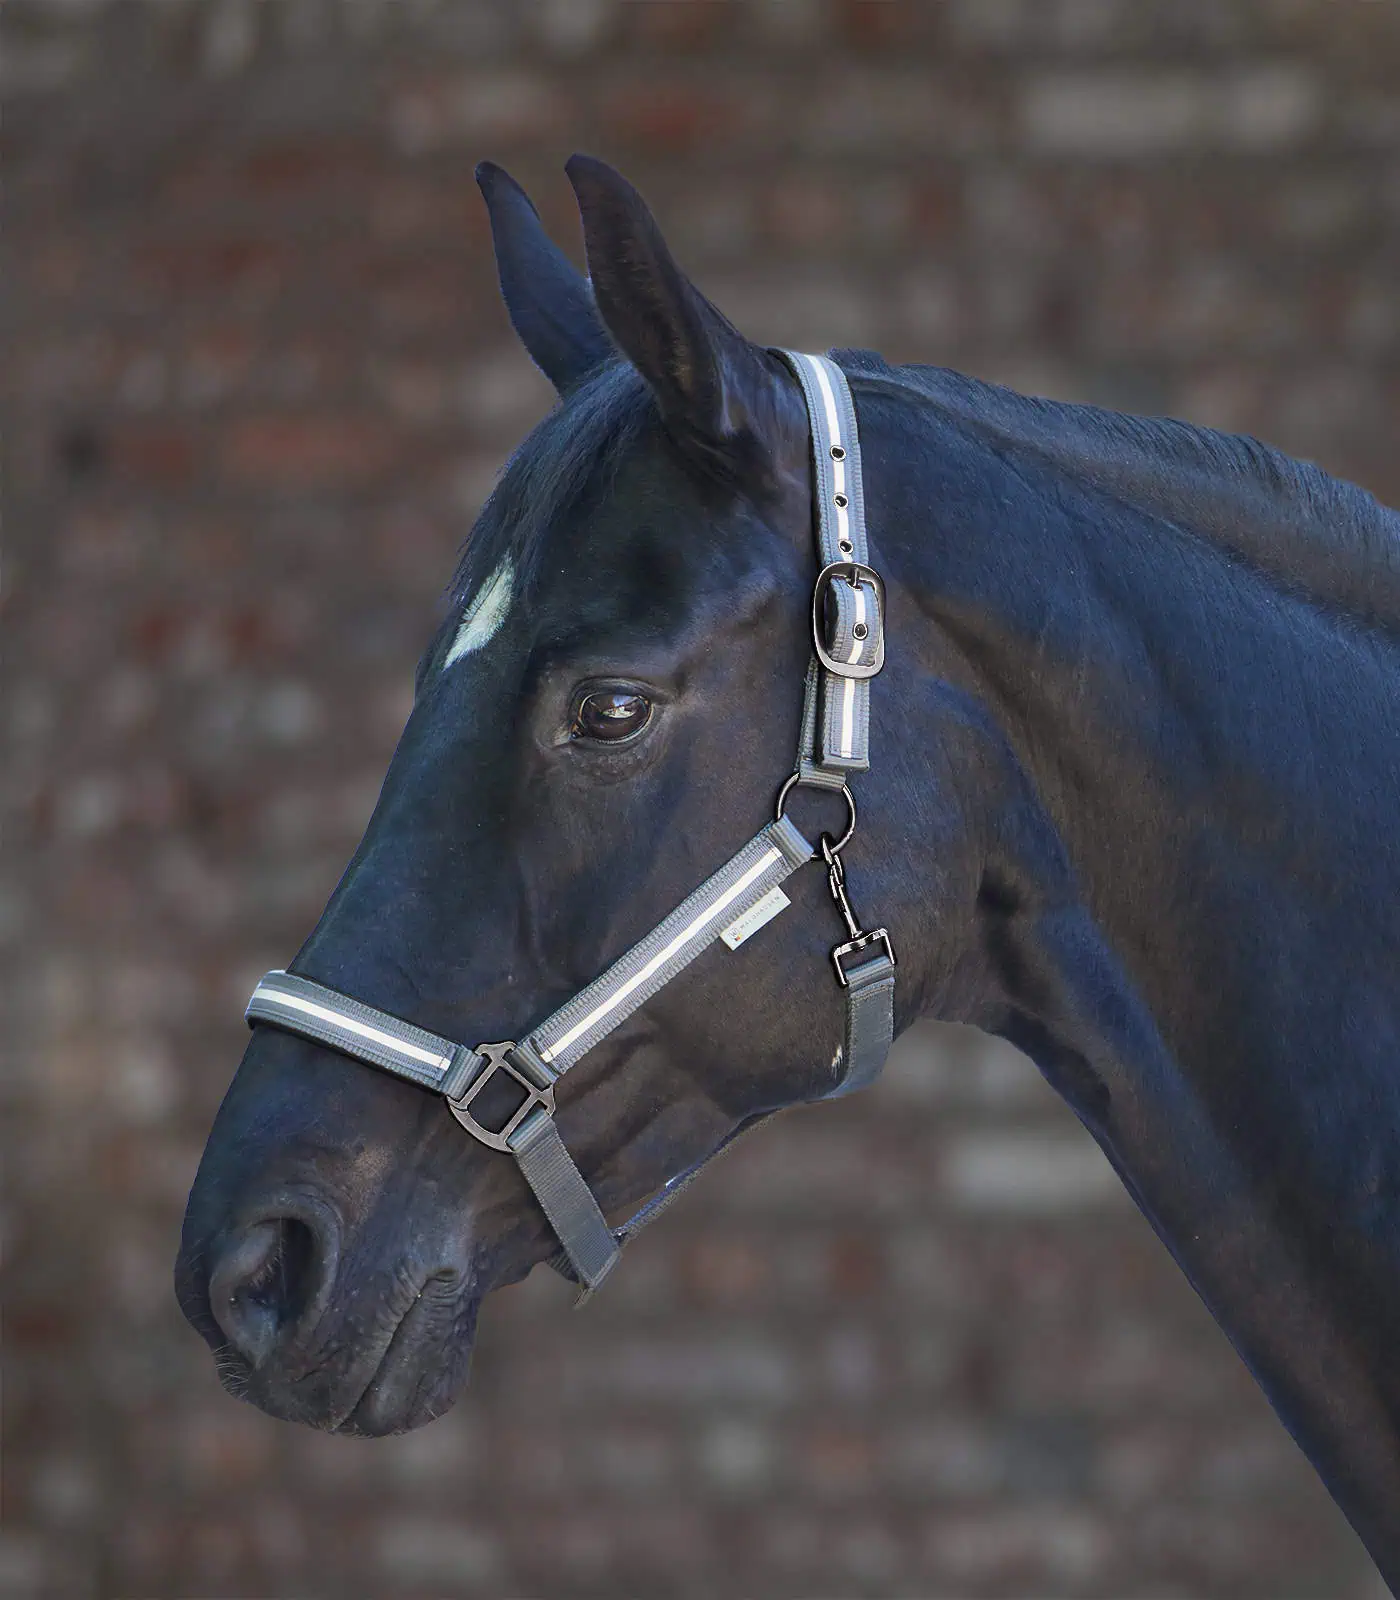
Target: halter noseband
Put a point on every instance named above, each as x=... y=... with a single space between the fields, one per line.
x=848 y=636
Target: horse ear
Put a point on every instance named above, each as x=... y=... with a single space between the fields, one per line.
x=718 y=393
x=549 y=302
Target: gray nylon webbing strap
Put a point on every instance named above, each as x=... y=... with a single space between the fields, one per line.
x=763 y=863
x=812 y=774
x=589 y=1244
x=841 y=741
x=869 y=1023
x=299 y=1006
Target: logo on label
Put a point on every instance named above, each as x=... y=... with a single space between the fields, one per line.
x=761 y=912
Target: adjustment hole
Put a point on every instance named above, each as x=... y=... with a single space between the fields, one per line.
x=860 y=630
x=840 y=499
x=838 y=452
x=845 y=545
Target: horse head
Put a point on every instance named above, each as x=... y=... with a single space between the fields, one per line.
x=604 y=716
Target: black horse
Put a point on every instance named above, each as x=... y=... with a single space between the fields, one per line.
x=1136 y=766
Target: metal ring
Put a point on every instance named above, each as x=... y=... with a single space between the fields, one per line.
x=793 y=780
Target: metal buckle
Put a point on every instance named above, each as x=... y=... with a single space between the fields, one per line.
x=855 y=946
x=855 y=573
x=497 y=1058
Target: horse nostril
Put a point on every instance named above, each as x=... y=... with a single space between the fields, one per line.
x=263 y=1281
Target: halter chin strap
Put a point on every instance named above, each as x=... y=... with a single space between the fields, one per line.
x=848 y=617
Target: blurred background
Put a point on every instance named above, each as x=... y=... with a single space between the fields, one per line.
x=916 y=1344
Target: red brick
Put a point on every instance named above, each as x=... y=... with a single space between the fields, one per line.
x=727 y=1271
x=854 y=1264
x=243 y=266
x=882 y=24
x=217 y=360
x=681 y=25
x=839 y=1463
x=306 y=452
x=166 y=455
x=803 y=213
x=937 y=208
x=290 y=168
x=480 y=108
x=669 y=116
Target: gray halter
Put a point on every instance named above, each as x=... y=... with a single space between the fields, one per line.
x=848 y=635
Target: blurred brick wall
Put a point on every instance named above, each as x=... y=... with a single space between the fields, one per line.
x=257 y=380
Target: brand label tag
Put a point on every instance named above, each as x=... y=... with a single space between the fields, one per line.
x=763 y=911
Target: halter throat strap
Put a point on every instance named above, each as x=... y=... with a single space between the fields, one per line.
x=848 y=614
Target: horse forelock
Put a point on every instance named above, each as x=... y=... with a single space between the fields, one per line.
x=570 y=452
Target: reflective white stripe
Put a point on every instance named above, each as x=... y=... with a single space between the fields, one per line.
x=848 y=685
x=833 y=417
x=662 y=956
x=294 y=1002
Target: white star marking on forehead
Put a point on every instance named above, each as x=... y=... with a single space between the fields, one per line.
x=484 y=614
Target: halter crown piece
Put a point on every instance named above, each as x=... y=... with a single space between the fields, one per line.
x=848 y=637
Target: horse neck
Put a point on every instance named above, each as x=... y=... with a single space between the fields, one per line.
x=1190 y=917
x=1186 y=727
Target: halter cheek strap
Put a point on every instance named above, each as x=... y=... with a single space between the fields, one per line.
x=848 y=617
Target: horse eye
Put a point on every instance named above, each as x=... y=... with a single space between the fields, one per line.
x=610 y=715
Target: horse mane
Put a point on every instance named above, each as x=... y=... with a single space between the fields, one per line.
x=1327 y=541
